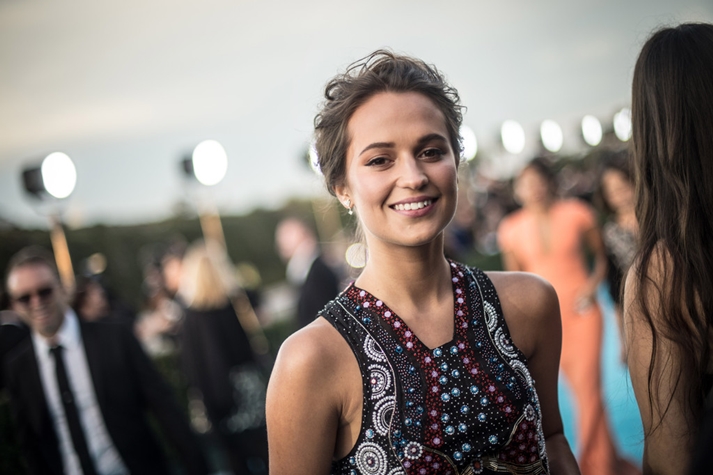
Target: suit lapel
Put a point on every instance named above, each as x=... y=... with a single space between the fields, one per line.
x=92 y=350
x=38 y=410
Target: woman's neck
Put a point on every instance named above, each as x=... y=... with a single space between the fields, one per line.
x=540 y=207
x=412 y=276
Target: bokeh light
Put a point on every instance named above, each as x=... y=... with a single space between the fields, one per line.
x=591 y=130
x=551 y=135
x=470 y=143
x=513 y=136
x=314 y=159
x=210 y=162
x=59 y=175
x=356 y=255
x=622 y=124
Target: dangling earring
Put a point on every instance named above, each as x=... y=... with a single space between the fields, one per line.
x=349 y=207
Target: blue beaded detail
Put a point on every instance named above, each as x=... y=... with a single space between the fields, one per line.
x=445 y=418
x=455 y=392
x=437 y=352
x=458 y=456
x=482 y=417
x=445 y=397
x=493 y=439
x=443 y=380
x=484 y=401
x=455 y=373
x=467 y=447
x=450 y=430
x=464 y=409
x=474 y=389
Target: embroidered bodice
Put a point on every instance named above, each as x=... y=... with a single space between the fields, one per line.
x=466 y=407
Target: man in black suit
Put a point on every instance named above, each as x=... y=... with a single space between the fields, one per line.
x=306 y=269
x=80 y=390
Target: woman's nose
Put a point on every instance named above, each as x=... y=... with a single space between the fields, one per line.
x=412 y=174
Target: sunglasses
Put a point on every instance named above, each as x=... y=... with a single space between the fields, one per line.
x=43 y=294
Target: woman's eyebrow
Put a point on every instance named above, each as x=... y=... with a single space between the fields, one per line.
x=377 y=145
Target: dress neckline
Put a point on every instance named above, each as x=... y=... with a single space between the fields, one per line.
x=368 y=300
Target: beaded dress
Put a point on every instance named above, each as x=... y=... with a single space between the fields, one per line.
x=466 y=407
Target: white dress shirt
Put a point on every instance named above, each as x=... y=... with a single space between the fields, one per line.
x=101 y=448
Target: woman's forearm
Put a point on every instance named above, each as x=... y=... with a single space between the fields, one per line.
x=562 y=461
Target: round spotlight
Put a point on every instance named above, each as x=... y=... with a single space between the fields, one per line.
x=622 y=124
x=551 y=135
x=470 y=144
x=513 y=136
x=210 y=162
x=591 y=130
x=314 y=159
x=356 y=255
x=58 y=175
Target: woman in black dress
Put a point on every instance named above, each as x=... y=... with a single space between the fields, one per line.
x=423 y=365
x=218 y=361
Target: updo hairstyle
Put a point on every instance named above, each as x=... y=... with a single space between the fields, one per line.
x=381 y=71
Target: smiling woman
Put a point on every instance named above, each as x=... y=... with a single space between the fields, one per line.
x=423 y=365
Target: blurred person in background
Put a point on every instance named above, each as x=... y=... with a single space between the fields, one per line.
x=668 y=297
x=548 y=237
x=80 y=391
x=620 y=230
x=307 y=270
x=90 y=300
x=217 y=358
x=431 y=375
x=157 y=324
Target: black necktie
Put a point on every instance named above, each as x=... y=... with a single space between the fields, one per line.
x=70 y=411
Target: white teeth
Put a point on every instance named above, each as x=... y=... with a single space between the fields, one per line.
x=410 y=206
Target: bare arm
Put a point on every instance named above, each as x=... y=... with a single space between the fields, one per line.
x=593 y=240
x=304 y=404
x=668 y=441
x=531 y=309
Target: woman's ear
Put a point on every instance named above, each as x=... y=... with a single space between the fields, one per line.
x=342 y=194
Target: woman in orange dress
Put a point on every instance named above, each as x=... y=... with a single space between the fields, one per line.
x=547 y=237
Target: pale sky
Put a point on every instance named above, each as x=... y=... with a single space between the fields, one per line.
x=128 y=88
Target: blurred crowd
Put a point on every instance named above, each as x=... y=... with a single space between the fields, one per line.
x=203 y=317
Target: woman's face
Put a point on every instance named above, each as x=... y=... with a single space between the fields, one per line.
x=401 y=171
x=617 y=190
x=531 y=188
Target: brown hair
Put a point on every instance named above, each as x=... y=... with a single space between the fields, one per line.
x=672 y=107
x=381 y=71
x=31 y=255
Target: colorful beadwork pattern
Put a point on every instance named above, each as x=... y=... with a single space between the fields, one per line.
x=466 y=407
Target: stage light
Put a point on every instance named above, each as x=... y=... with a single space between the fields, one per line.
x=513 y=136
x=622 y=124
x=551 y=135
x=591 y=130
x=470 y=144
x=210 y=162
x=57 y=177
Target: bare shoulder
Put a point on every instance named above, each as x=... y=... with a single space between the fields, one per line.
x=312 y=352
x=530 y=306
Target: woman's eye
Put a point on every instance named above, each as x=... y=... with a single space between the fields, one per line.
x=432 y=153
x=376 y=161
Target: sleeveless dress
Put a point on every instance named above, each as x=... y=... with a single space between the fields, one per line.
x=466 y=407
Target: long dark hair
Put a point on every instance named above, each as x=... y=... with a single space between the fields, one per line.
x=672 y=106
